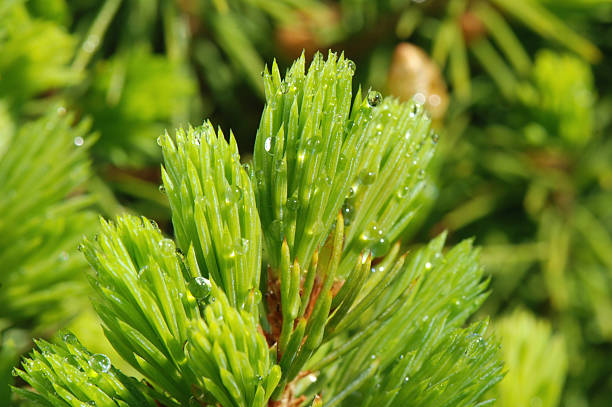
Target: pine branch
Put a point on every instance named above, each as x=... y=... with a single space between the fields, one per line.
x=67 y=372
x=187 y=315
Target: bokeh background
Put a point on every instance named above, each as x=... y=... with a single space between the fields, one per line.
x=520 y=92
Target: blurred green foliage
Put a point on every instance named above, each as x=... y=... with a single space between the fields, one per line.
x=529 y=347
x=44 y=216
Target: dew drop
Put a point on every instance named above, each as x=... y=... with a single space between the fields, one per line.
x=347 y=213
x=421 y=174
x=367 y=177
x=142 y=271
x=200 y=287
x=167 y=247
x=293 y=203
x=259 y=176
x=70 y=338
x=380 y=247
x=243 y=246
x=341 y=162
x=278 y=165
x=162 y=189
x=61 y=110
x=315 y=228
x=15 y=372
x=351 y=66
x=475 y=346
x=403 y=191
x=159 y=141
x=100 y=363
x=268 y=144
x=233 y=195
x=352 y=192
x=284 y=87
x=435 y=137
x=313 y=144
x=154 y=224
x=230 y=254
x=374 y=98
x=257 y=296
x=428 y=266
x=78 y=141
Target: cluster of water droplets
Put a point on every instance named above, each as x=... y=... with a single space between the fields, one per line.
x=98 y=362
